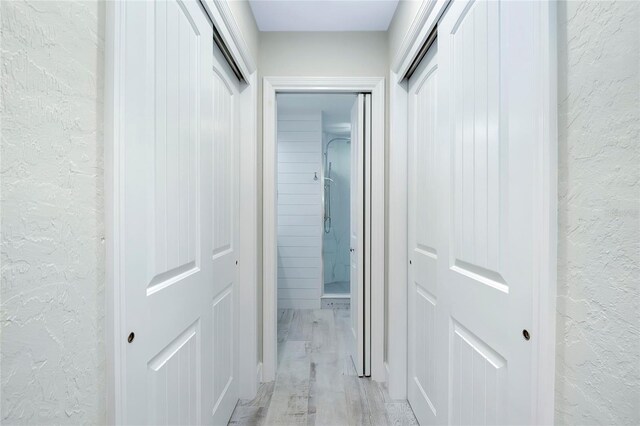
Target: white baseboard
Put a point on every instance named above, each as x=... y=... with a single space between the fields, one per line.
x=259 y=372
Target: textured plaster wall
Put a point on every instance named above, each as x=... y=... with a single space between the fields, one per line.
x=598 y=350
x=52 y=369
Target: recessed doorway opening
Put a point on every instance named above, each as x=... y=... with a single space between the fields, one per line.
x=323 y=210
x=314 y=199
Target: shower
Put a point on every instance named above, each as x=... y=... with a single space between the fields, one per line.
x=328 y=182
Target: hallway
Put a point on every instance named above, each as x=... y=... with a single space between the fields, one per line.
x=275 y=212
x=316 y=382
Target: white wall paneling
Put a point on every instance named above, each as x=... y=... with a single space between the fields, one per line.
x=299 y=140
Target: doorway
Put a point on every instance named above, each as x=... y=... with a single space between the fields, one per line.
x=314 y=199
x=321 y=178
x=363 y=98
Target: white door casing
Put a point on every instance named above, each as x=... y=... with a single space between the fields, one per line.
x=226 y=231
x=367 y=218
x=356 y=239
x=178 y=233
x=374 y=86
x=477 y=166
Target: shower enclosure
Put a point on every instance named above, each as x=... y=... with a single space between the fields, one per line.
x=336 y=217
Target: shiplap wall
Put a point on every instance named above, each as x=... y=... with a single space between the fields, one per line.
x=299 y=211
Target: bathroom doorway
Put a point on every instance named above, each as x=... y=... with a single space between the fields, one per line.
x=314 y=200
x=297 y=128
x=320 y=211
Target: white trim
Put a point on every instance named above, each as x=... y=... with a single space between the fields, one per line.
x=426 y=19
x=259 y=373
x=220 y=14
x=377 y=231
x=114 y=309
x=397 y=240
x=115 y=39
x=544 y=392
x=269 y=236
x=271 y=85
x=428 y=16
x=248 y=261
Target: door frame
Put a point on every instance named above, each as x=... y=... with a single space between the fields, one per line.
x=230 y=34
x=271 y=86
x=546 y=190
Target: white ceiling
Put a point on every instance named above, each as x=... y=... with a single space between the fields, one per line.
x=336 y=108
x=323 y=15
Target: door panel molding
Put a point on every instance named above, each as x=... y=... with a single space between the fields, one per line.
x=375 y=86
x=544 y=190
x=117 y=42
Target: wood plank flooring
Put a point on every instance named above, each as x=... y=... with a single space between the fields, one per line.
x=316 y=383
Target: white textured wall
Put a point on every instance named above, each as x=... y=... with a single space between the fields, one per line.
x=51 y=167
x=598 y=350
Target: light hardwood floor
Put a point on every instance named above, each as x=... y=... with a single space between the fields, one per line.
x=316 y=382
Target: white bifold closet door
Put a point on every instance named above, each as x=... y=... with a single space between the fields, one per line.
x=474 y=138
x=179 y=178
x=360 y=324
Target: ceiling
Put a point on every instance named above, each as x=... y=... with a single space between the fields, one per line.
x=323 y=15
x=336 y=108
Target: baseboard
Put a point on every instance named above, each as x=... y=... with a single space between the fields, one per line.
x=259 y=372
x=336 y=296
x=336 y=303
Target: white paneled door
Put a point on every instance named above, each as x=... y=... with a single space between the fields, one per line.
x=474 y=143
x=426 y=315
x=179 y=234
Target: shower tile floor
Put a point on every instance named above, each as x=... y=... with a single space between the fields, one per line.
x=316 y=382
x=337 y=287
